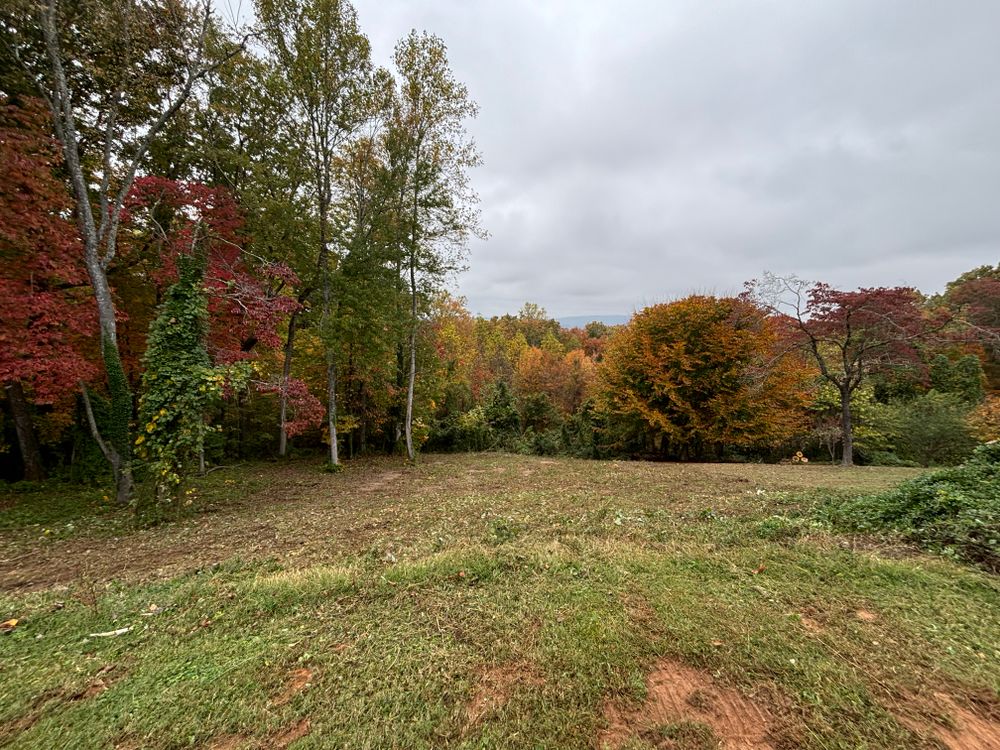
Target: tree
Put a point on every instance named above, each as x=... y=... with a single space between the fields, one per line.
x=701 y=374
x=850 y=335
x=325 y=63
x=429 y=153
x=974 y=300
x=180 y=382
x=112 y=75
x=45 y=312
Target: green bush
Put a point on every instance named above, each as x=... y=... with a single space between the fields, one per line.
x=932 y=429
x=955 y=511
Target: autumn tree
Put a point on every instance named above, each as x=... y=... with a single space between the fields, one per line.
x=694 y=376
x=850 y=335
x=974 y=301
x=112 y=75
x=429 y=153
x=46 y=313
x=326 y=77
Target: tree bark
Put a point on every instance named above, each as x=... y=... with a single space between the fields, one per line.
x=413 y=361
x=121 y=467
x=847 y=458
x=331 y=399
x=331 y=366
x=31 y=454
x=286 y=375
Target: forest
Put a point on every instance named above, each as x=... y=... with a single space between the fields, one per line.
x=228 y=243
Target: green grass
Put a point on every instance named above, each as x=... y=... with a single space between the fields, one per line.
x=488 y=601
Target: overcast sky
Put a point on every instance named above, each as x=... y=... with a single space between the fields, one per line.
x=638 y=151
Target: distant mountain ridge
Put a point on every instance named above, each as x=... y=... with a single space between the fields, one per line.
x=579 y=321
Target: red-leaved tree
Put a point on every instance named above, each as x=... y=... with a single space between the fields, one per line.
x=850 y=335
x=46 y=311
x=248 y=297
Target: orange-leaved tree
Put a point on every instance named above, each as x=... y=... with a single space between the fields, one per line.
x=690 y=378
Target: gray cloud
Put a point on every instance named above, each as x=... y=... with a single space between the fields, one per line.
x=636 y=151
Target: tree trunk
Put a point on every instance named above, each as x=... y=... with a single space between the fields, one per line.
x=286 y=374
x=121 y=466
x=331 y=399
x=323 y=265
x=413 y=360
x=31 y=455
x=847 y=459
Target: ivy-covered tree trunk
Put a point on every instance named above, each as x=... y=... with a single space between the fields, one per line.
x=180 y=384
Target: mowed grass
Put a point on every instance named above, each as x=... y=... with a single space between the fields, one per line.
x=482 y=601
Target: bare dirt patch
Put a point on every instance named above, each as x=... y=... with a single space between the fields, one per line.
x=865 y=615
x=291 y=733
x=228 y=742
x=956 y=726
x=496 y=687
x=380 y=481
x=298 y=680
x=677 y=693
x=811 y=624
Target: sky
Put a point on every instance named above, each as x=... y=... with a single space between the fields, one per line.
x=635 y=152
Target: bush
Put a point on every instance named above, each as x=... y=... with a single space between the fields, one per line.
x=955 y=511
x=932 y=429
x=882 y=458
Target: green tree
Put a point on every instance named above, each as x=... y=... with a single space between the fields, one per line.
x=326 y=76
x=932 y=429
x=429 y=155
x=179 y=384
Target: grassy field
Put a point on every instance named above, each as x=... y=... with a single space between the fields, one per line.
x=490 y=601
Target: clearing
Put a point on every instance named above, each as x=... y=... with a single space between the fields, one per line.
x=490 y=601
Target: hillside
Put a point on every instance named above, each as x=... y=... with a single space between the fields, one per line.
x=491 y=601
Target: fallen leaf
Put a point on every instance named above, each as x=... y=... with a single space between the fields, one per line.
x=8 y=625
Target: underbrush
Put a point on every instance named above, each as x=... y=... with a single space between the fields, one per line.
x=954 y=511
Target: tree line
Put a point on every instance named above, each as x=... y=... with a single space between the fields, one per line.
x=215 y=206
x=225 y=243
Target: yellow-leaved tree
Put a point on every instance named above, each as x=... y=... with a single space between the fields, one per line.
x=691 y=378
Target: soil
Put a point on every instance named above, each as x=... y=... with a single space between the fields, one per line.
x=954 y=725
x=496 y=687
x=298 y=681
x=677 y=693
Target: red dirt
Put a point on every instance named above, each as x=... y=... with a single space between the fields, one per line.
x=496 y=686
x=674 y=693
x=962 y=727
x=290 y=734
x=297 y=682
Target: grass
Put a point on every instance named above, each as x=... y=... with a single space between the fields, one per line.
x=486 y=601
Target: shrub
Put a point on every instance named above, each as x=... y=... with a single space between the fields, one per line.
x=955 y=511
x=932 y=429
